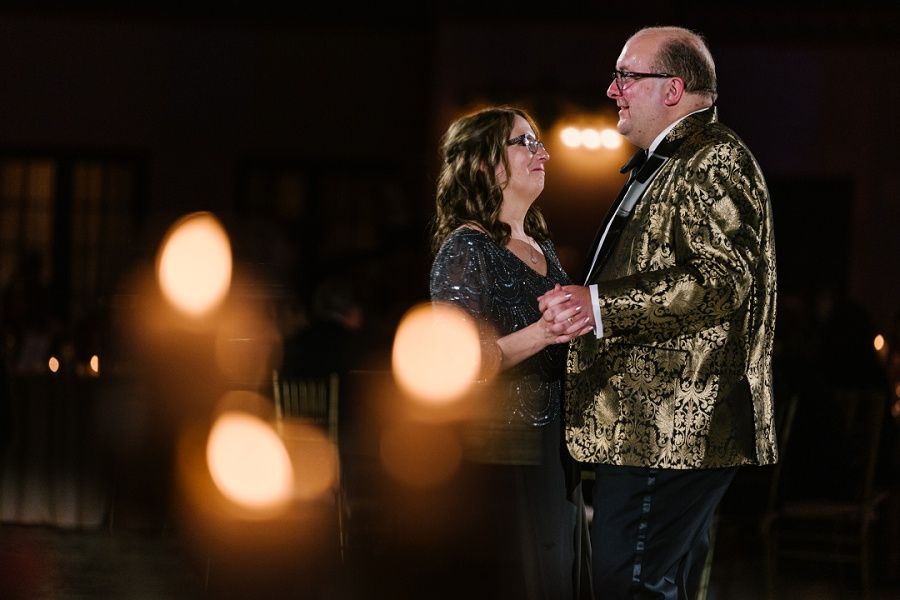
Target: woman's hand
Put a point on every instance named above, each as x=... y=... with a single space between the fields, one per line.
x=562 y=321
x=563 y=313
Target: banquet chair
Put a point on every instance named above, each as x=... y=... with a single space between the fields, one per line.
x=784 y=423
x=834 y=528
x=313 y=400
x=784 y=420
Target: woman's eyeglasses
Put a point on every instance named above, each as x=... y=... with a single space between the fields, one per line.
x=533 y=144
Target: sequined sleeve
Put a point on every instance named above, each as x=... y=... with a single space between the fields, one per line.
x=462 y=276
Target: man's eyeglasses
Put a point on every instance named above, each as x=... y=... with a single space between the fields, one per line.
x=626 y=78
x=529 y=141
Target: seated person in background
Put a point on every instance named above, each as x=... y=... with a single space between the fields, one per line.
x=333 y=341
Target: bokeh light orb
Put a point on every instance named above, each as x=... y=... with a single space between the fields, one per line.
x=610 y=138
x=248 y=461
x=194 y=264
x=571 y=137
x=314 y=458
x=420 y=455
x=436 y=354
x=591 y=139
x=247 y=345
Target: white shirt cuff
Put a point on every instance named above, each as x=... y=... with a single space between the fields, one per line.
x=595 y=307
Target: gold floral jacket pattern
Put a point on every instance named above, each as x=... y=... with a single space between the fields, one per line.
x=683 y=377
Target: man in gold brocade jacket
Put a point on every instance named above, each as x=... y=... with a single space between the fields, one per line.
x=674 y=391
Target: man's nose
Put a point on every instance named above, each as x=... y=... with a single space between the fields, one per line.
x=613 y=90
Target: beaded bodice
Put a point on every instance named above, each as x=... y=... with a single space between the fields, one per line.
x=493 y=285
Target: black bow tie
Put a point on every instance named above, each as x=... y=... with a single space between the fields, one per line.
x=635 y=162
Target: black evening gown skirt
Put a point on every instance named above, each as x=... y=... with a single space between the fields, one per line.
x=515 y=528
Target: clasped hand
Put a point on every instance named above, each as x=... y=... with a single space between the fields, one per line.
x=566 y=311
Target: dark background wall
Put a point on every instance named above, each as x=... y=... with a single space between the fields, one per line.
x=207 y=99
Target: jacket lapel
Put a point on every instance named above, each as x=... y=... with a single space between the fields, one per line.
x=634 y=189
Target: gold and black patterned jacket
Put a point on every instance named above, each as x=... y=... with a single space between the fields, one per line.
x=682 y=378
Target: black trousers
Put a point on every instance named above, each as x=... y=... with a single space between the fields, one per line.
x=650 y=531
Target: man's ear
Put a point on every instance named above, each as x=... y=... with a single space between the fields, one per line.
x=674 y=91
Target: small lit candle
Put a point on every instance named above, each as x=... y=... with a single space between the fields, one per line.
x=881 y=347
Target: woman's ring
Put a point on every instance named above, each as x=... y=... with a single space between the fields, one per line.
x=569 y=320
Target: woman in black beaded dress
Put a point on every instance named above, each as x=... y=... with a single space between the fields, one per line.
x=493 y=258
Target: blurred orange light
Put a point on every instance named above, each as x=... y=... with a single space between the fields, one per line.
x=248 y=462
x=194 y=265
x=246 y=341
x=95 y=363
x=610 y=138
x=590 y=138
x=314 y=458
x=419 y=455
x=53 y=363
x=571 y=137
x=436 y=354
x=878 y=342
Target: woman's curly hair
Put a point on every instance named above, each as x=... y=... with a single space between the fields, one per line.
x=468 y=192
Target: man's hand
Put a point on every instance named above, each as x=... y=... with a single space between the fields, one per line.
x=567 y=310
